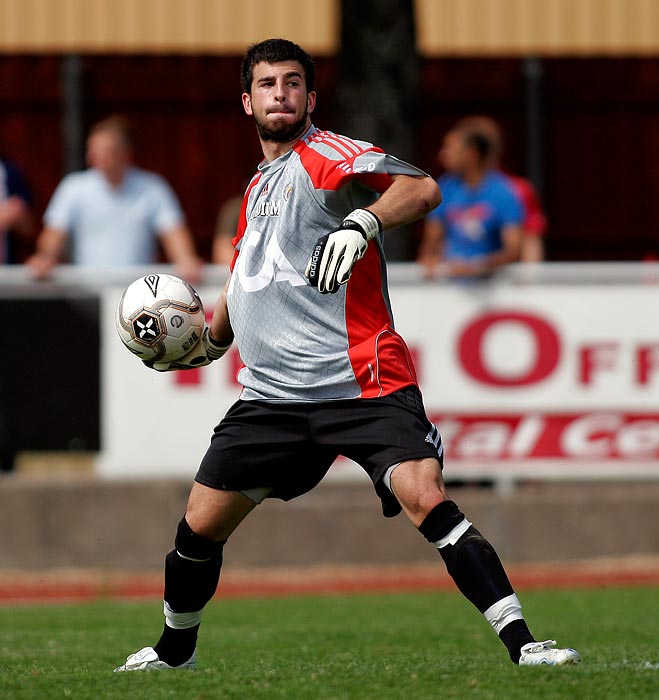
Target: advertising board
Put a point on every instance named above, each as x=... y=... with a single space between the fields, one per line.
x=553 y=381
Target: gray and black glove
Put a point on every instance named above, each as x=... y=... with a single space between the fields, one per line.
x=335 y=253
x=205 y=351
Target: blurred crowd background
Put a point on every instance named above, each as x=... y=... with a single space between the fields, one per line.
x=574 y=86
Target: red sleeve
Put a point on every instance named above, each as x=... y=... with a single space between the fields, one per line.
x=535 y=221
x=332 y=173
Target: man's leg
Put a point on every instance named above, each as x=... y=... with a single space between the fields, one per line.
x=470 y=559
x=192 y=573
x=192 y=568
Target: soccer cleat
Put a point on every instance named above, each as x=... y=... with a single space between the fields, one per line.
x=147 y=660
x=539 y=653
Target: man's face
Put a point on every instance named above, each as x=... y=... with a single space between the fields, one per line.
x=279 y=101
x=454 y=153
x=107 y=152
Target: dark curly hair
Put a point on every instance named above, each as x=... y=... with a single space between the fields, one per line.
x=276 y=51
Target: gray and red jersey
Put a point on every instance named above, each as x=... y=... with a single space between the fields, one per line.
x=296 y=344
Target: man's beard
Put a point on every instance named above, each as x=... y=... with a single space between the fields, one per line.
x=282 y=133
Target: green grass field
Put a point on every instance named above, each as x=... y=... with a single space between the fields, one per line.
x=375 y=647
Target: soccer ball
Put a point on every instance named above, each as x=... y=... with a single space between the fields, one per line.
x=160 y=318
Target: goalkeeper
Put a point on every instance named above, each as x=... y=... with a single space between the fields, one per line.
x=325 y=372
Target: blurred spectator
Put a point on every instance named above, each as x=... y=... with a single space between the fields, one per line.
x=16 y=226
x=225 y=230
x=534 y=223
x=487 y=218
x=16 y=220
x=113 y=213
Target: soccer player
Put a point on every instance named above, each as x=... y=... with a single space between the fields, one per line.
x=325 y=373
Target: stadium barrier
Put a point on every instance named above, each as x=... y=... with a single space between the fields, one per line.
x=543 y=372
x=129 y=525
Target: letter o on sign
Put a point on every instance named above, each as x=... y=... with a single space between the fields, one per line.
x=470 y=349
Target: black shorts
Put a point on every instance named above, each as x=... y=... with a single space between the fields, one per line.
x=290 y=447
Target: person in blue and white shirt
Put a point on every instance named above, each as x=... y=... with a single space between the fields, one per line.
x=114 y=213
x=478 y=226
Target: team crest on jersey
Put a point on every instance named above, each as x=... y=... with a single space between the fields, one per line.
x=288 y=191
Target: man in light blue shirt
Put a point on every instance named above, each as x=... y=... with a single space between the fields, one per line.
x=113 y=214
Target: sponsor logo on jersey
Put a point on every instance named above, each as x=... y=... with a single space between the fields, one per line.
x=267 y=209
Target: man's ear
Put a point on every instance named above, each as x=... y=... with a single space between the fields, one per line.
x=311 y=101
x=247 y=103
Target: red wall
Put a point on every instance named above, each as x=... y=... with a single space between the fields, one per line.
x=601 y=140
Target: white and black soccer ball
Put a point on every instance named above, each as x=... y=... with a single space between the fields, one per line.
x=160 y=318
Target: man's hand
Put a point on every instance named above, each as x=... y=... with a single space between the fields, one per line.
x=41 y=265
x=203 y=353
x=335 y=253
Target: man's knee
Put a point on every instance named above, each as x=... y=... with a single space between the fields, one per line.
x=191 y=546
x=418 y=486
x=214 y=514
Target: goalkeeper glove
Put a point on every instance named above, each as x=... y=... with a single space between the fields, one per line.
x=336 y=252
x=205 y=351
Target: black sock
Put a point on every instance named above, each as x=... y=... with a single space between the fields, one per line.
x=471 y=561
x=515 y=635
x=476 y=569
x=192 y=572
x=176 y=646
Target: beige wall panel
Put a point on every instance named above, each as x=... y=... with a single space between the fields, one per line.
x=207 y=26
x=445 y=27
x=550 y=27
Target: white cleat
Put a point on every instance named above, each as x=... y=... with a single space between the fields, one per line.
x=543 y=653
x=147 y=660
